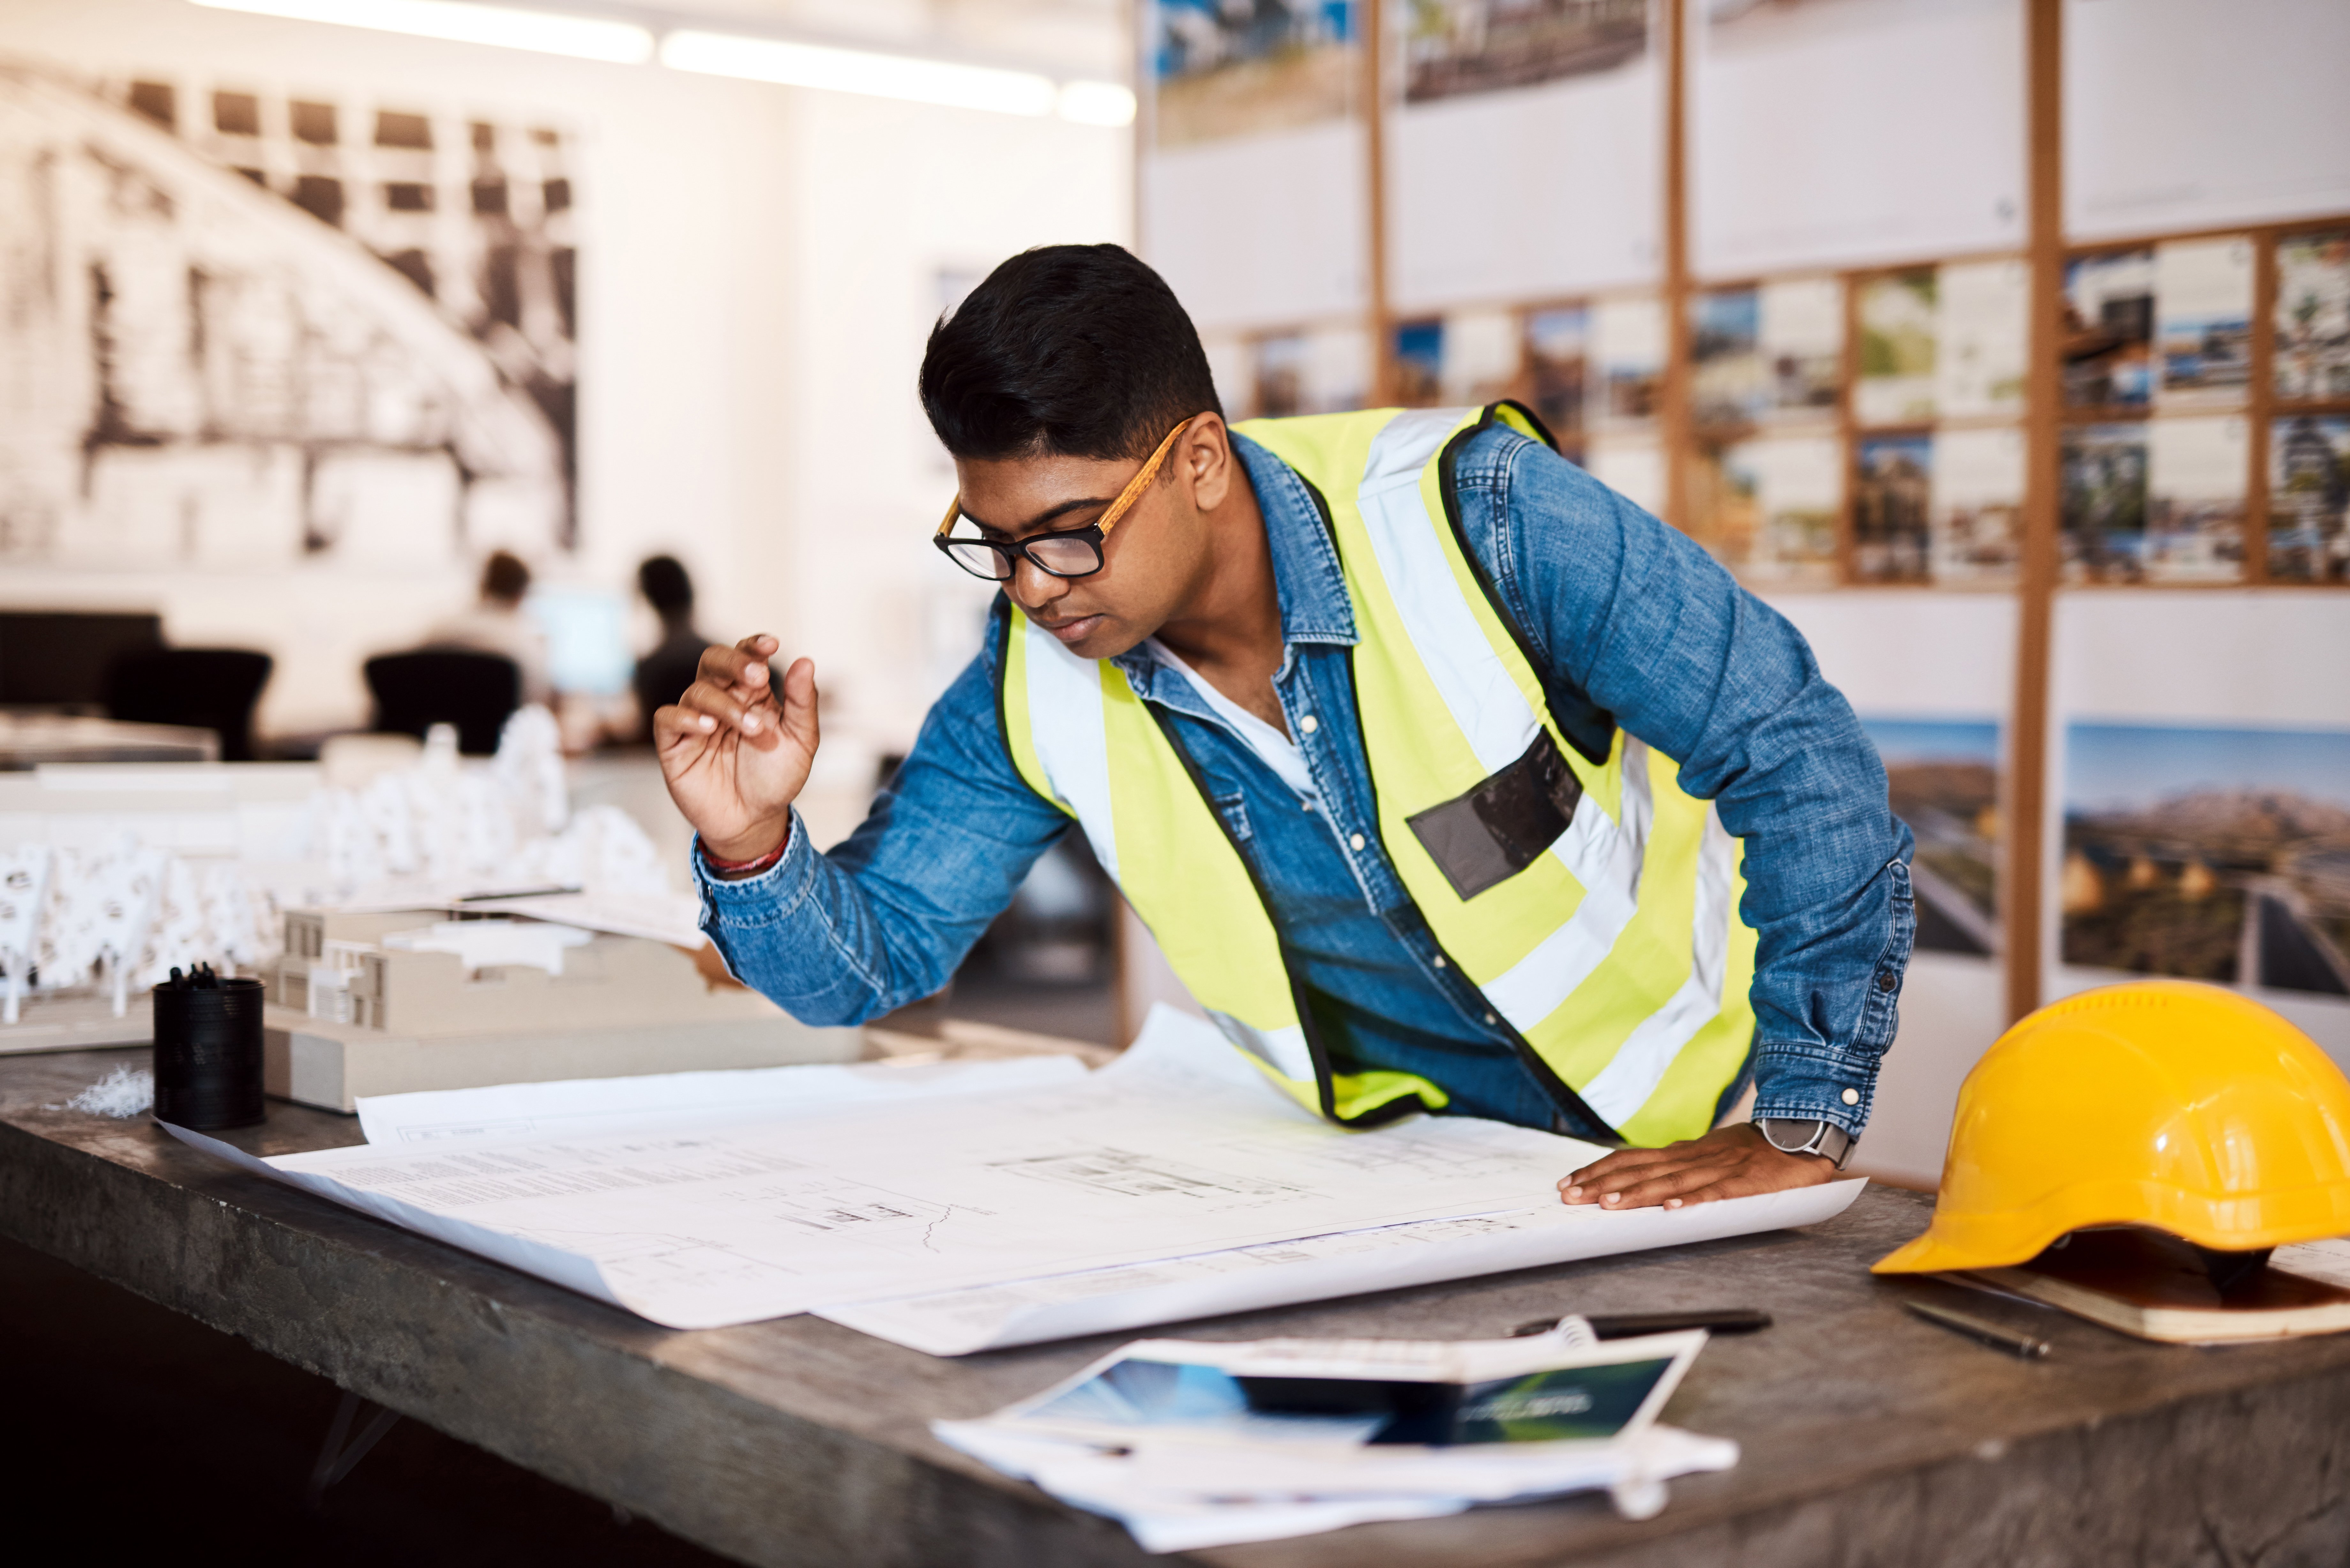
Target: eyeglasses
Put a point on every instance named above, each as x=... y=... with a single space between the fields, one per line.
x=1073 y=553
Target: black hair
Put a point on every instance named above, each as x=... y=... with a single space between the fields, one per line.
x=1065 y=350
x=505 y=578
x=664 y=581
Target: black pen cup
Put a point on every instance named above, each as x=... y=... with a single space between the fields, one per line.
x=208 y=1055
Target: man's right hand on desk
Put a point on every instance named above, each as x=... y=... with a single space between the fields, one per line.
x=735 y=758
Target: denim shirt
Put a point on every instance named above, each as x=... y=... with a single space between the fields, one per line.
x=1624 y=615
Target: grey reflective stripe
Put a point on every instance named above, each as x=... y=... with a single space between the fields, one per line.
x=1283 y=1049
x=1066 y=727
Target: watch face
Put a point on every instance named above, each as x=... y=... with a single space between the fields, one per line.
x=1789 y=1135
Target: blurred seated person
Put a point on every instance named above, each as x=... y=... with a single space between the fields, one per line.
x=496 y=625
x=663 y=674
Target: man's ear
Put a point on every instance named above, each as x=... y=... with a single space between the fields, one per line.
x=1203 y=459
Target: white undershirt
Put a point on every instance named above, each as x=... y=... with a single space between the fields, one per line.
x=1273 y=748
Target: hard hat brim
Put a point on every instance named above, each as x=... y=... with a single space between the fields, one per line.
x=2224 y=1223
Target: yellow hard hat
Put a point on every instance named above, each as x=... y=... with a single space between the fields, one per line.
x=2161 y=1103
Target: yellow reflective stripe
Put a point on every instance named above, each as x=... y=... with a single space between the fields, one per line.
x=1640 y=1065
x=1684 y=1104
x=1183 y=876
x=1354 y=1095
x=1651 y=958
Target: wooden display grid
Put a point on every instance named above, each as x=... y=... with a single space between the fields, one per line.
x=2043 y=418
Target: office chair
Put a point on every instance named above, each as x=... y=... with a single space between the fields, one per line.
x=474 y=691
x=206 y=688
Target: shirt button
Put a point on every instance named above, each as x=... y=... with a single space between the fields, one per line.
x=1439 y=961
x=1852 y=1096
x=1886 y=982
x=1491 y=1019
x=1356 y=842
x=1309 y=723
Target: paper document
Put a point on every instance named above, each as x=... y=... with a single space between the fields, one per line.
x=1193 y=1445
x=966 y=1206
x=1315 y=1268
x=703 y=1222
x=671 y=918
x=573 y=1105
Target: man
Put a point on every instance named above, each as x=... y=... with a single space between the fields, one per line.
x=1397 y=729
x=496 y=624
x=663 y=674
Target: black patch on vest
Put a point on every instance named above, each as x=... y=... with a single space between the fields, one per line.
x=1503 y=826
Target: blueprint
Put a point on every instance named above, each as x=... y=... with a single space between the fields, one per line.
x=703 y=1222
x=1315 y=1268
x=575 y=1106
x=1175 y=1182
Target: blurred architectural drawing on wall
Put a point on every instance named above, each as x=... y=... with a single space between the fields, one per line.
x=1943 y=779
x=2103 y=505
x=2309 y=500
x=243 y=330
x=2312 y=316
x=1455 y=46
x=1242 y=67
x=1893 y=508
x=2212 y=854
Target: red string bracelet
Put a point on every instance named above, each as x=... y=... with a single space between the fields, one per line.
x=752 y=868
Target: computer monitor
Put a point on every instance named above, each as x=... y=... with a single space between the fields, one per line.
x=586 y=638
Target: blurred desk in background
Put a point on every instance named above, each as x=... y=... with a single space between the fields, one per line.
x=29 y=740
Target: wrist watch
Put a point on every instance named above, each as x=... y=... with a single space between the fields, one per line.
x=1800 y=1135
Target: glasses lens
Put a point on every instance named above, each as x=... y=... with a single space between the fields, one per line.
x=1065 y=557
x=980 y=560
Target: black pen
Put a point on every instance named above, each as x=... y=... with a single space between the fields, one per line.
x=1990 y=1334
x=1632 y=1324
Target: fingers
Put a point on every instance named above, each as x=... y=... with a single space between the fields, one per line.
x=743 y=666
x=798 y=713
x=1674 y=1188
x=1611 y=1171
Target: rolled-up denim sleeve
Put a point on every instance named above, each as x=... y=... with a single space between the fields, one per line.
x=1635 y=616
x=884 y=918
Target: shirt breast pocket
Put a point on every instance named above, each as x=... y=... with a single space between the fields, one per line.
x=1234 y=810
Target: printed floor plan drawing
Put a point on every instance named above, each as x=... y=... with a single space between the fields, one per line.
x=1177 y=1157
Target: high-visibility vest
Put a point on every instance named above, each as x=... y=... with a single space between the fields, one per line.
x=1592 y=901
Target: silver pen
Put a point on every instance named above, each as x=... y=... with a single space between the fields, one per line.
x=2010 y=1340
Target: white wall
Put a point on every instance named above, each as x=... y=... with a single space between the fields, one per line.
x=1909 y=653
x=756 y=267
x=891 y=196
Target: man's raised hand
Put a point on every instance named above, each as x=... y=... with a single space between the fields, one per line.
x=737 y=753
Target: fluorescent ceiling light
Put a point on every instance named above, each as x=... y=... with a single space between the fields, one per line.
x=1097 y=103
x=946 y=82
x=585 y=37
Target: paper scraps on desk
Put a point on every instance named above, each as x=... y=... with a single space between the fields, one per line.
x=697 y=1204
x=1194 y=1444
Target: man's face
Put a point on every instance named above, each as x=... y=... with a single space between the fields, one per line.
x=1153 y=558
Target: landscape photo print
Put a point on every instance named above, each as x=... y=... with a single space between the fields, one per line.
x=2210 y=854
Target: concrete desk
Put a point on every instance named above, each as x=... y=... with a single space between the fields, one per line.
x=1869 y=1437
